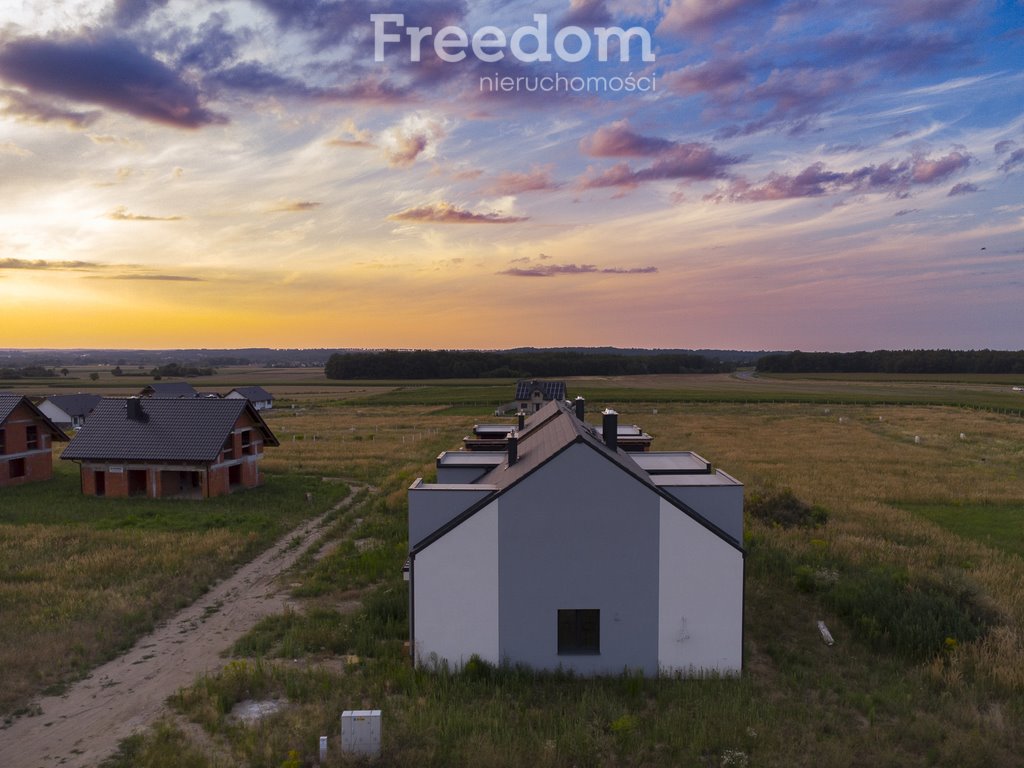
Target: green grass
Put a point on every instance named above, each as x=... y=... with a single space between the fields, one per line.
x=269 y=510
x=82 y=578
x=996 y=525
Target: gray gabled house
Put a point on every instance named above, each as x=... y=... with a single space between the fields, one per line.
x=260 y=398
x=69 y=410
x=565 y=552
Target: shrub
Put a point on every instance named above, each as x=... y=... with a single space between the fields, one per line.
x=783 y=508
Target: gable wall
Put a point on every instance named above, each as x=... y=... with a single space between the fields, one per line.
x=455 y=588
x=579 y=534
x=39 y=461
x=700 y=597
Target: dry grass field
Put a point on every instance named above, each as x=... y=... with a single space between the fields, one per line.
x=918 y=571
x=927 y=669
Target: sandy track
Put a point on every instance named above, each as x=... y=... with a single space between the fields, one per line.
x=83 y=726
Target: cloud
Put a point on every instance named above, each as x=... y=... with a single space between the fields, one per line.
x=352 y=136
x=913 y=11
x=684 y=161
x=906 y=211
x=12 y=149
x=926 y=171
x=169 y=278
x=617 y=140
x=586 y=13
x=552 y=270
x=1002 y=147
x=685 y=16
x=672 y=159
x=963 y=188
x=816 y=180
x=413 y=136
x=721 y=76
x=23 y=107
x=1016 y=158
x=108 y=71
x=127 y=13
x=295 y=206
x=123 y=214
x=448 y=213
x=134 y=272
x=41 y=264
x=329 y=23
x=511 y=183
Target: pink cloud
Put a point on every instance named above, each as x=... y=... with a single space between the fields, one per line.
x=448 y=213
x=617 y=140
x=536 y=180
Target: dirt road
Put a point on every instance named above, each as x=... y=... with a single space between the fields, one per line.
x=82 y=727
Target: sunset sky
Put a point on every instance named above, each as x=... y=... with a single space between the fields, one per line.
x=812 y=174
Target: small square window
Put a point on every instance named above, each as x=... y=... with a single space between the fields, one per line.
x=16 y=468
x=579 y=630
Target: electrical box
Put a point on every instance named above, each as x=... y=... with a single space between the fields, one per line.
x=360 y=732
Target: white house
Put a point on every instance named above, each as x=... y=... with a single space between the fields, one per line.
x=564 y=551
x=259 y=397
x=69 y=410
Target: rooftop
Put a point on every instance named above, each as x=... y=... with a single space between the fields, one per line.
x=170 y=429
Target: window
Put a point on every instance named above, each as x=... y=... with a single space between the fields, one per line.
x=31 y=438
x=17 y=468
x=229 y=448
x=3 y=441
x=579 y=631
x=247 y=446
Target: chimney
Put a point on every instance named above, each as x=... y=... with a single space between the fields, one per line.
x=134 y=410
x=522 y=419
x=513 y=448
x=581 y=407
x=610 y=428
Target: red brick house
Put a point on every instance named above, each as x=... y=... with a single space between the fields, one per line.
x=191 y=448
x=26 y=437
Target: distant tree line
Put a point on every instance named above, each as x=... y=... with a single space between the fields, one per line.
x=895 y=361
x=176 y=370
x=27 y=372
x=445 y=364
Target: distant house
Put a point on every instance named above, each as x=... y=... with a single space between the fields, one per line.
x=494 y=437
x=169 y=389
x=69 y=411
x=565 y=552
x=259 y=397
x=26 y=436
x=170 y=448
x=532 y=394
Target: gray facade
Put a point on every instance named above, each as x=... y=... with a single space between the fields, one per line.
x=579 y=537
x=566 y=553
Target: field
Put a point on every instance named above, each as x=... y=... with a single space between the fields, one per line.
x=918 y=573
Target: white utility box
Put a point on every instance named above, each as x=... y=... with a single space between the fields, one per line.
x=360 y=732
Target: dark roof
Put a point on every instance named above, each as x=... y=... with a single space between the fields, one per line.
x=545 y=434
x=552 y=390
x=169 y=389
x=10 y=401
x=191 y=429
x=75 y=405
x=253 y=393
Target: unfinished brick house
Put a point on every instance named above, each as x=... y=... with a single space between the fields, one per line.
x=189 y=448
x=26 y=438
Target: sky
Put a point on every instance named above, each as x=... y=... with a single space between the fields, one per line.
x=745 y=174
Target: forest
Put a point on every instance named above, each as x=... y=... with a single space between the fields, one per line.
x=895 y=361
x=451 y=364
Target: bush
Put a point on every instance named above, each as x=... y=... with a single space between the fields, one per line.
x=784 y=509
